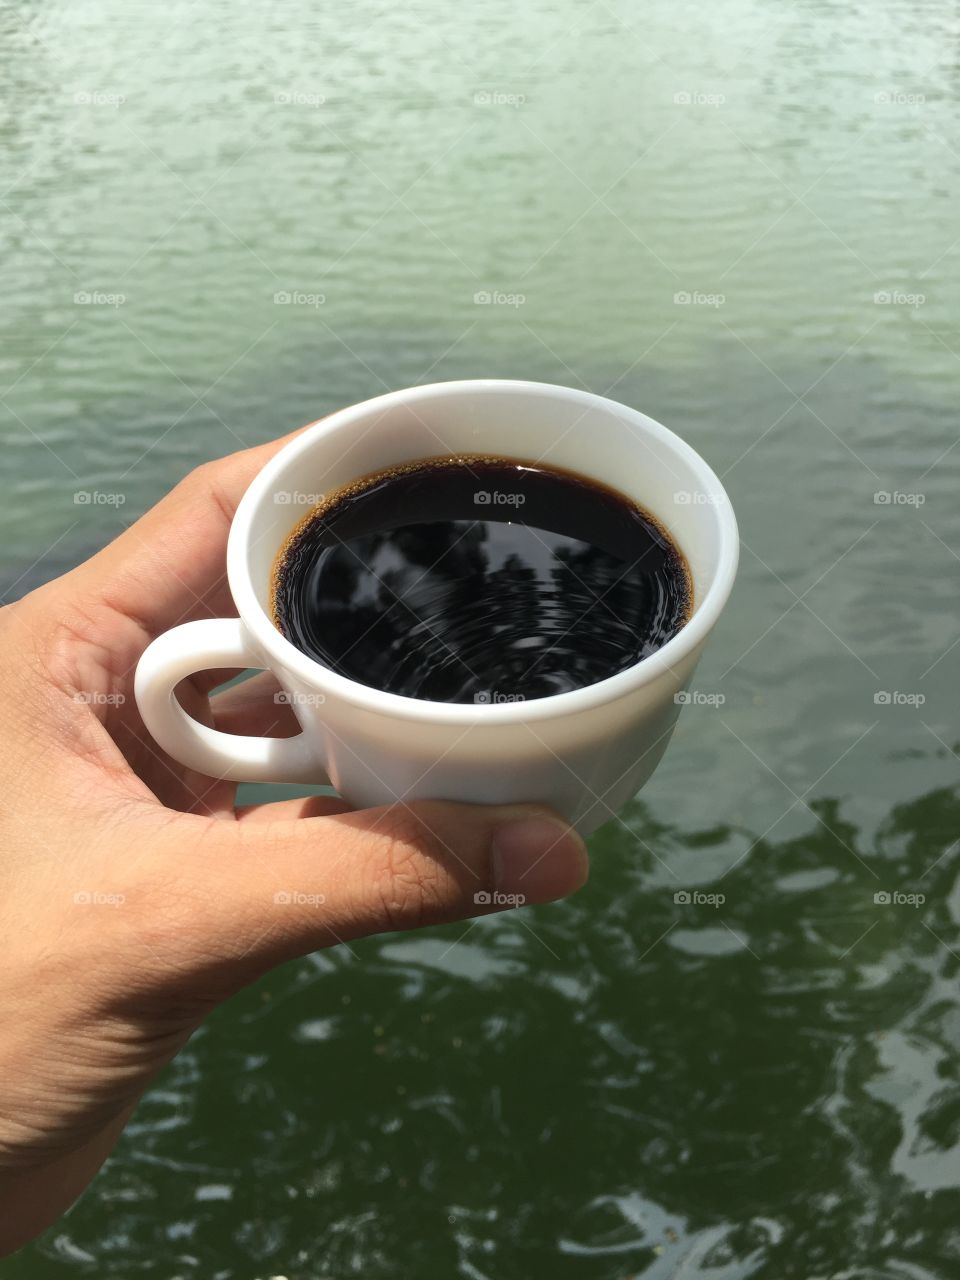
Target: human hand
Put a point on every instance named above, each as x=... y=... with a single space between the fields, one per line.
x=134 y=896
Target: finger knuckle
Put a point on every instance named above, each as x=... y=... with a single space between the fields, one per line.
x=198 y=479
x=413 y=885
x=204 y=483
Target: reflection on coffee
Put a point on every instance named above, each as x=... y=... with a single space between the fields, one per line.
x=475 y=579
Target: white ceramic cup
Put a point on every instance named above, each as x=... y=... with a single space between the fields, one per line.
x=583 y=753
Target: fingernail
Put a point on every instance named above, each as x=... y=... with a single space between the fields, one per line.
x=538 y=859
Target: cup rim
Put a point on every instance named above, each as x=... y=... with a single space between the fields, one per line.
x=643 y=673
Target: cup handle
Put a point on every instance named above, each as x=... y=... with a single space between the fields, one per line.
x=202 y=646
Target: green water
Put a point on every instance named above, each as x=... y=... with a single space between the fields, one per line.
x=622 y=1085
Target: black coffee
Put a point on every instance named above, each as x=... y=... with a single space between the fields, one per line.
x=479 y=580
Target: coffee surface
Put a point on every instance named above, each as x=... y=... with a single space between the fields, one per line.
x=479 y=580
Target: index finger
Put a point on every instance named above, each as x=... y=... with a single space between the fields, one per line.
x=170 y=565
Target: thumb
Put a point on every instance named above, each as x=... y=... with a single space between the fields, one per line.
x=282 y=889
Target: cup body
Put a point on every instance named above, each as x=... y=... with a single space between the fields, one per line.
x=583 y=753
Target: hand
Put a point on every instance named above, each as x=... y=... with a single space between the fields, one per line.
x=134 y=896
